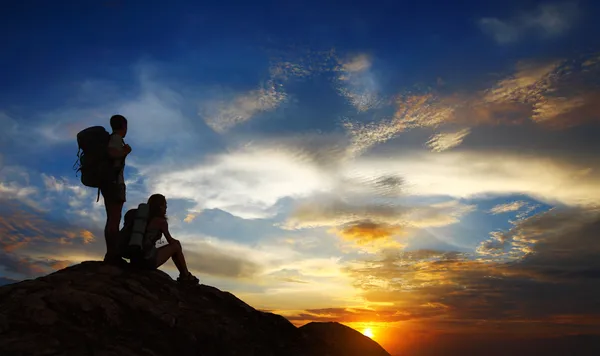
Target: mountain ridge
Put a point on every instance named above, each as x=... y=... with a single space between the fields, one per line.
x=97 y=309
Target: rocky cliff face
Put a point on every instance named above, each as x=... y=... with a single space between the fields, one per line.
x=97 y=309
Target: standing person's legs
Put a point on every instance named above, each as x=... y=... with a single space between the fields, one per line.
x=114 y=198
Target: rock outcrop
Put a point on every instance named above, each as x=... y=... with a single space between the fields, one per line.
x=98 y=309
x=4 y=281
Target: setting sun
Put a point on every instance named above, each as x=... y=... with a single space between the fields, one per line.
x=368 y=332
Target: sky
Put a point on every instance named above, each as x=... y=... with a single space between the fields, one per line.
x=424 y=170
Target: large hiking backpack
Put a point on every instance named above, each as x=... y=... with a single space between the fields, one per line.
x=132 y=244
x=93 y=161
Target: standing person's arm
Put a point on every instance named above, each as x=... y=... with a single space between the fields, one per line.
x=116 y=149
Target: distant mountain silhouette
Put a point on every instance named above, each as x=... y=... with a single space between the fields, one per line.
x=97 y=309
x=342 y=340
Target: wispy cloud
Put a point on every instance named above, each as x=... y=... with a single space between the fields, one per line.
x=508 y=207
x=223 y=114
x=15 y=185
x=546 y=21
x=447 y=140
x=550 y=93
x=359 y=63
x=357 y=83
x=412 y=111
x=530 y=81
x=153 y=107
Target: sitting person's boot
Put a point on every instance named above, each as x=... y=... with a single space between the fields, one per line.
x=188 y=279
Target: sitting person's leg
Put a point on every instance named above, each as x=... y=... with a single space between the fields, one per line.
x=175 y=252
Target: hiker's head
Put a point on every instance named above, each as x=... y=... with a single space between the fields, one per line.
x=118 y=123
x=157 y=204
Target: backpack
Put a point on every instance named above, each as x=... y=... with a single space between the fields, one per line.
x=132 y=244
x=93 y=161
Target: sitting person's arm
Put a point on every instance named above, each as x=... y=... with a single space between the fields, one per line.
x=164 y=228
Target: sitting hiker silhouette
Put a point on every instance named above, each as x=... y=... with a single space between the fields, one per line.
x=153 y=219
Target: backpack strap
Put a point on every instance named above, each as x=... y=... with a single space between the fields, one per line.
x=77 y=164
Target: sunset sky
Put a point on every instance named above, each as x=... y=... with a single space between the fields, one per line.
x=427 y=170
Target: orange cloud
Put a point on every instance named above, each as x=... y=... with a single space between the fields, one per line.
x=87 y=236
x=189 y=218
x=366 y=231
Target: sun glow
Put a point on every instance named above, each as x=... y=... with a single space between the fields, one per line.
x=368 y=332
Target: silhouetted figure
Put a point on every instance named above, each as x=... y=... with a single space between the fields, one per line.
x=101 y=161
x=156 y=226
x=113 y=191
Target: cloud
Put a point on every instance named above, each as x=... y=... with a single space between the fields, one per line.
x=365 y=231
x=285 y=70
x=223 y=114
x=27 y=267
x=508 y=207
x=359 y=63
x=189 y=218
x=567 y=111
x=14 y=190
x=445 y=141
x=374 y=315
x=357 y=83
x=546 y=21
x=21 y=226
x=246 y=182
x=157 y=109
x=562 y=263
x=473 y=173
x=336 y=212
x=81 y=205
x=151 y=105
x=210 y=259
x=525 y=233
x=15 y=184
x=553 y=93
x=26 y=232
x=530 y=81
x=412 y=111
x=264 y=262
x=372 y=227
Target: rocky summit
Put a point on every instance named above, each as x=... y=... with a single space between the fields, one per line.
x=97 y=309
